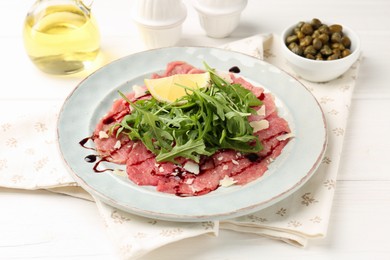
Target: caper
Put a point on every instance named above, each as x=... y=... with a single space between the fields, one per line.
x=345 y=53
x=292 y=45
x=346 y=41
x=310 y=50
x=306 y=41
x=316 y=23
x=333 y=57
x=300 y=35
x=310 y=56
x=319 y=56
x=295 y=48
x=338 y=46
x=335 y=28
x=337 y=53
x=316 y=34
x=317 y=44
x=324 y=38
x=324 y=29
x=299 y=25
x=335 y=37
x=291 y=38
x=326 y=50
x=307 y=29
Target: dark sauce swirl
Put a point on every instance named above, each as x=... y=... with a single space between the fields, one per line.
x=90 y=158
x=93 y=158
x=84 y=141
x=235 y=69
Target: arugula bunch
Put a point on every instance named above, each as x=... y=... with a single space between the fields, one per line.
x=200 y=123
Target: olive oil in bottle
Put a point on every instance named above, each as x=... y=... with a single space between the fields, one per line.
x=61 y=39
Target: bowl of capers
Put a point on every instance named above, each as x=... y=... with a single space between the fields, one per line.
x=318 y=51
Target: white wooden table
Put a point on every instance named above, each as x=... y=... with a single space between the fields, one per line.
x=360 y=220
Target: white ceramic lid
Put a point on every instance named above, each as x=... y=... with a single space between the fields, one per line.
x=159 y=13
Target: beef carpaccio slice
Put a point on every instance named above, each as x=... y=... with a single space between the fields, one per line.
x=143 y=169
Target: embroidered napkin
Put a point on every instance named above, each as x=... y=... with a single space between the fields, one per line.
x=31 y=161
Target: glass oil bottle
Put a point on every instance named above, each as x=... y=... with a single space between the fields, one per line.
x=61 y=36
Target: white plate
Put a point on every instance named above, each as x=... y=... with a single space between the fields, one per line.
x=94 y=96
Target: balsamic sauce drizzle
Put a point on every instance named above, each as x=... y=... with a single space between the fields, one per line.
x=235 y=69
x=95 y=167
x=84 y=141
x=92 y=158
x=253 y=157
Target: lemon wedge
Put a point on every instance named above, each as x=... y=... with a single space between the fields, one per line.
x=169 y=89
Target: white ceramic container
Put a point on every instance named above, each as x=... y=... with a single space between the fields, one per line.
x=219 y=18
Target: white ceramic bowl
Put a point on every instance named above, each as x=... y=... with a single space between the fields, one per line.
x=317 y=70
x=219 y=18
x=159 y=22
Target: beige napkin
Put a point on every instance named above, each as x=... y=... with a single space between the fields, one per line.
x=31 y=160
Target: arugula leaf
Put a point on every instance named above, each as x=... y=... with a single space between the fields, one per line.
x=198 y=124
x=191 y=150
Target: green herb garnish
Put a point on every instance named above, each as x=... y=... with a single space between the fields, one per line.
x=200 y=123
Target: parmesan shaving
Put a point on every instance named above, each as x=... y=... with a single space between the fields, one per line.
x=261 y=111
x=259 y=125
x=227 y=181
x=192 y=167
x=103 y=135
x=284 y=137
x=117 y=145
x=138 y=91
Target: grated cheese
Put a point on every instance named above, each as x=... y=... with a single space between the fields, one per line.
x=261 y=111
x=284 y=137
x=103 y=135
x=259 y=125
x=117 y=145
x=138 y=91
x=192 y=167
x=227 y=181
